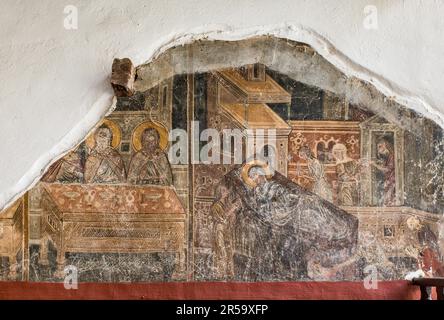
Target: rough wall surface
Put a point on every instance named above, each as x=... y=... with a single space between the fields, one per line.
x=346 y=181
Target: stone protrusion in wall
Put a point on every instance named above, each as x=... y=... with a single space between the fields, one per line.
x=122 y=77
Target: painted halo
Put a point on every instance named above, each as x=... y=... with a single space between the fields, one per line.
x=413 y=223
x=160 y=128
x=255 y=163
x=115 y=129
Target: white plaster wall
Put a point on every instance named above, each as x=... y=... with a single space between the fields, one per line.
x=55 y=82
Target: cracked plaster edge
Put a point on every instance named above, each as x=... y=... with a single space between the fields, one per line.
x=106 y=102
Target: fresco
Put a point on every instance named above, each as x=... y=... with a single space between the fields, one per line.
x=344 y=178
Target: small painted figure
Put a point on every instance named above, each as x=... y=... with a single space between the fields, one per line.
x=104 y=164
x=347 y=171
x=316 y=171
x=385 y=172
x=68 y=169
x=224 y=213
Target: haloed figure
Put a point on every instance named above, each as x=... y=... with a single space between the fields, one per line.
x=316 y=171
x=150 y=165
x=104 y=164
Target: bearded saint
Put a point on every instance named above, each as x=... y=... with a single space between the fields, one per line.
x=150 y=165
x=104 y=164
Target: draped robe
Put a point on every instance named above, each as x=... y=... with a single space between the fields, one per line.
x=277 y=228
x=104 y=167
x=66 y=170
x=388 y=174
x=150 y=168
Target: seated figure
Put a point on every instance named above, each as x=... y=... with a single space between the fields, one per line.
x=150 y=164
x=104 y=164
x=68 y=169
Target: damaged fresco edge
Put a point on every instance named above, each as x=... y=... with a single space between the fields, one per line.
x=103 y=106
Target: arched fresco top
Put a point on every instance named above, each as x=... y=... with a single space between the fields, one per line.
x=278 y=167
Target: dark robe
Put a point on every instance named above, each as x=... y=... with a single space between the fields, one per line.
x=279 y=227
